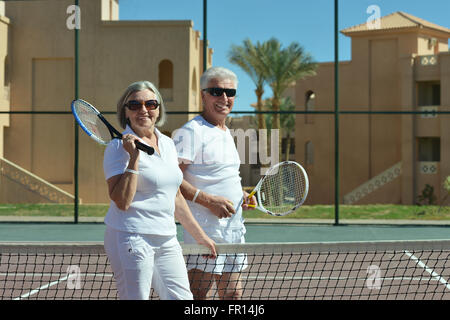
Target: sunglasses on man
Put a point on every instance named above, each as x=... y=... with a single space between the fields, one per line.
x=218 y=92
x=134 y=105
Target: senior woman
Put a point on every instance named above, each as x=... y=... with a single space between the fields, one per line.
x=140 y=236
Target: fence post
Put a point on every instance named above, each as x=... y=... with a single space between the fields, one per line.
x=76 y=200
x=336 y=113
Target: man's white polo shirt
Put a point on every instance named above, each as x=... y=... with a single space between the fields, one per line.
x=214 y=169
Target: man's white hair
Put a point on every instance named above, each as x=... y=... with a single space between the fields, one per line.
x=219 y=73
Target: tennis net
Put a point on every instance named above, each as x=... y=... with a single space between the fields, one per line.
x=326 y=271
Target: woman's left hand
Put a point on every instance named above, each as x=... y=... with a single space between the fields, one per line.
x=211 y=245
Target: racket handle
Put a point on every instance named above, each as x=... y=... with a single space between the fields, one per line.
x=147 y=149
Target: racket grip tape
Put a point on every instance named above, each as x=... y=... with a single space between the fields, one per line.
x=147 y=149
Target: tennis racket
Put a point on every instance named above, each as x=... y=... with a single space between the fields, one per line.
x=282 y=189
x=97 y=127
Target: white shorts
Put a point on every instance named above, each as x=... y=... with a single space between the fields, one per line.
x=223 y=262
x=141 y=261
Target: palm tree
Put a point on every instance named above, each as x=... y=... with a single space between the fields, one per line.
x=247 y=58
x=282 y=67
x=287 y=120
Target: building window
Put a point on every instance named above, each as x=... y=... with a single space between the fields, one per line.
x=429 y=94
x=6 y=72
x=309 y=153
x=309 y=106
x=429 y=149
x=194 y=85
x=165 y=74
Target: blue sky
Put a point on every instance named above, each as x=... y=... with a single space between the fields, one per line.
x=310 y=23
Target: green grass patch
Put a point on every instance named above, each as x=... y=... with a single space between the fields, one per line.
x=380 y=211
x=53 y=210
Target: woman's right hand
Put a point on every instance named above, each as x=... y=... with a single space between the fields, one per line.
x=129 y=145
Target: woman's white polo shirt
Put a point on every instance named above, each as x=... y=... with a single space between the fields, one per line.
x=152 y=209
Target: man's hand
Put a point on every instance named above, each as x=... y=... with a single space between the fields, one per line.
x=220 y=206
x=252 y=202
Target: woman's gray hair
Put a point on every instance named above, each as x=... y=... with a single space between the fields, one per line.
x=139 y=86
x=219 y=73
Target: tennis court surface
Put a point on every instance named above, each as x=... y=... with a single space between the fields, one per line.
x=282 y=271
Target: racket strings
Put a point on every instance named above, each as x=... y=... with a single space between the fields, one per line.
x=283 y=189
x=92 y=122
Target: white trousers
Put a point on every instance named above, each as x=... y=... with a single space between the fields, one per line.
x=141 y=261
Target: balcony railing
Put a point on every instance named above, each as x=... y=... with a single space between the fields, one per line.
x=428 y=60
x=430 y=110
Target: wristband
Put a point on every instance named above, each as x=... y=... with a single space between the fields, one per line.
x=132 y=171
x=196 y=195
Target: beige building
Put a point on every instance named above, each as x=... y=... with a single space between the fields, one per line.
x=37 y=71
x=403 y=66
x=384 y=158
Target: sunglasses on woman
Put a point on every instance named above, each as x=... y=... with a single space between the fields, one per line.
x=134 y=105
x=218 y=92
